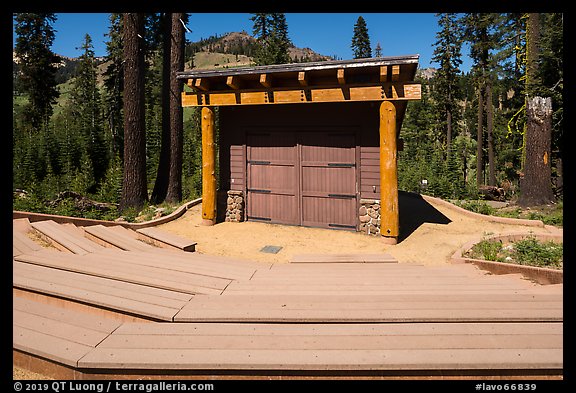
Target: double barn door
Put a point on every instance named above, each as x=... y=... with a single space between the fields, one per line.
x=302 y=178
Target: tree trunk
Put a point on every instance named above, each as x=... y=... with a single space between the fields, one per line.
x=536 y=184
x=479 y=139
x=134 y=188
x=448 y=133
x=162 y=175
x=490 y=134
x=176 y=113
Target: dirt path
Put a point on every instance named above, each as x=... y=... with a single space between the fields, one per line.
x=432 y=233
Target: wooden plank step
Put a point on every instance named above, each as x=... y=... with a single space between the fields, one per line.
x=502 y=296
x=120 y=289
x=64 y=315
x=68 y=288
x=338 y=329
x=21 y=225
x=65 y=238
x=169 y=239
x=145 y=275
x=117 y=239
x=55 y=333
x=326 y=359
x=343 y=258
x=351 y=314
x=341 y=342
x=22 y=244
x=179 y=261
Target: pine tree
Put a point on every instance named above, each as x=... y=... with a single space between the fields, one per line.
x=378 y=50
x=177 y=43
x=446 y=90
x=114 y=85
x=271 y=31
x=134 y=185
x=361 y=40
x=86 y=109
x=34 y=36
x=479 y=30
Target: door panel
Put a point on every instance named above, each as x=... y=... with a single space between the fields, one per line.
x=272 y=186
x=328 y=180
x=302 y=178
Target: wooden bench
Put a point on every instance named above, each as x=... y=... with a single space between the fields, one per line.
x=168 y=239
x=117 y=237
x=55 y=333
x=124 y=266
x=64 y=238
x=124 y=297
x=22 y=244
x=389 y=347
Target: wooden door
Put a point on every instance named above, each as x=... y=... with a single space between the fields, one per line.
x=328 y=179
x=272 y=177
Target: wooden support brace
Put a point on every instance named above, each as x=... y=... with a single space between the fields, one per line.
x=340 y=76
x=266 y=80
x=389 y=217
x=395 y=73
x=303 y=78
x=383 y=74
x=234 y=82
x=202 y=84
x=208 y=167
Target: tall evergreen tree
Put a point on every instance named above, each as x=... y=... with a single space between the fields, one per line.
x=271 y=31
x=114 y=85
x=479 y=31
x=86 y=109
x=378 y=50
x=446 y=90
x=34 y=37
x=134 y=185
x=361 y=40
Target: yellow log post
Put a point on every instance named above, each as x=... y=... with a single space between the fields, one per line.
x=208 y=167
x=389 y=218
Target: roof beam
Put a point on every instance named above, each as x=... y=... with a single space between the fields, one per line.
x=234 y=82
x=303 y=78
x=395 y=73
x=399 y=91
x=340 y=76
x=266 y=80
x=383 y=73
x=202 y=84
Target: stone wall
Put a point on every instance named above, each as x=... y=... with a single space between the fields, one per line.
x=235 y=206
x=369 y=216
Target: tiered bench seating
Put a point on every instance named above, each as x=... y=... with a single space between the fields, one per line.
x=65 y=238
x=354 y=348
x=99 y=292
x=61 y=335
x=168 y=239
x=118 y=237
x=351 y=315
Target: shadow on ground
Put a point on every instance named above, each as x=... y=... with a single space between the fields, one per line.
x=415 y=211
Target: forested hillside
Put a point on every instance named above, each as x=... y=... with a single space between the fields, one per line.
x=466 y=137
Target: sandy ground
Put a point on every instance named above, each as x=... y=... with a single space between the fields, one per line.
x=430 y=234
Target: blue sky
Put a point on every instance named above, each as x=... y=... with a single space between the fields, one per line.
x=326 y=33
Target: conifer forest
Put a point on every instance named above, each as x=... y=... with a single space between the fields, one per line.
x=494 y=131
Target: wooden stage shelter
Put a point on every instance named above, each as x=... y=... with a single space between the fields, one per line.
x=310 y=144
